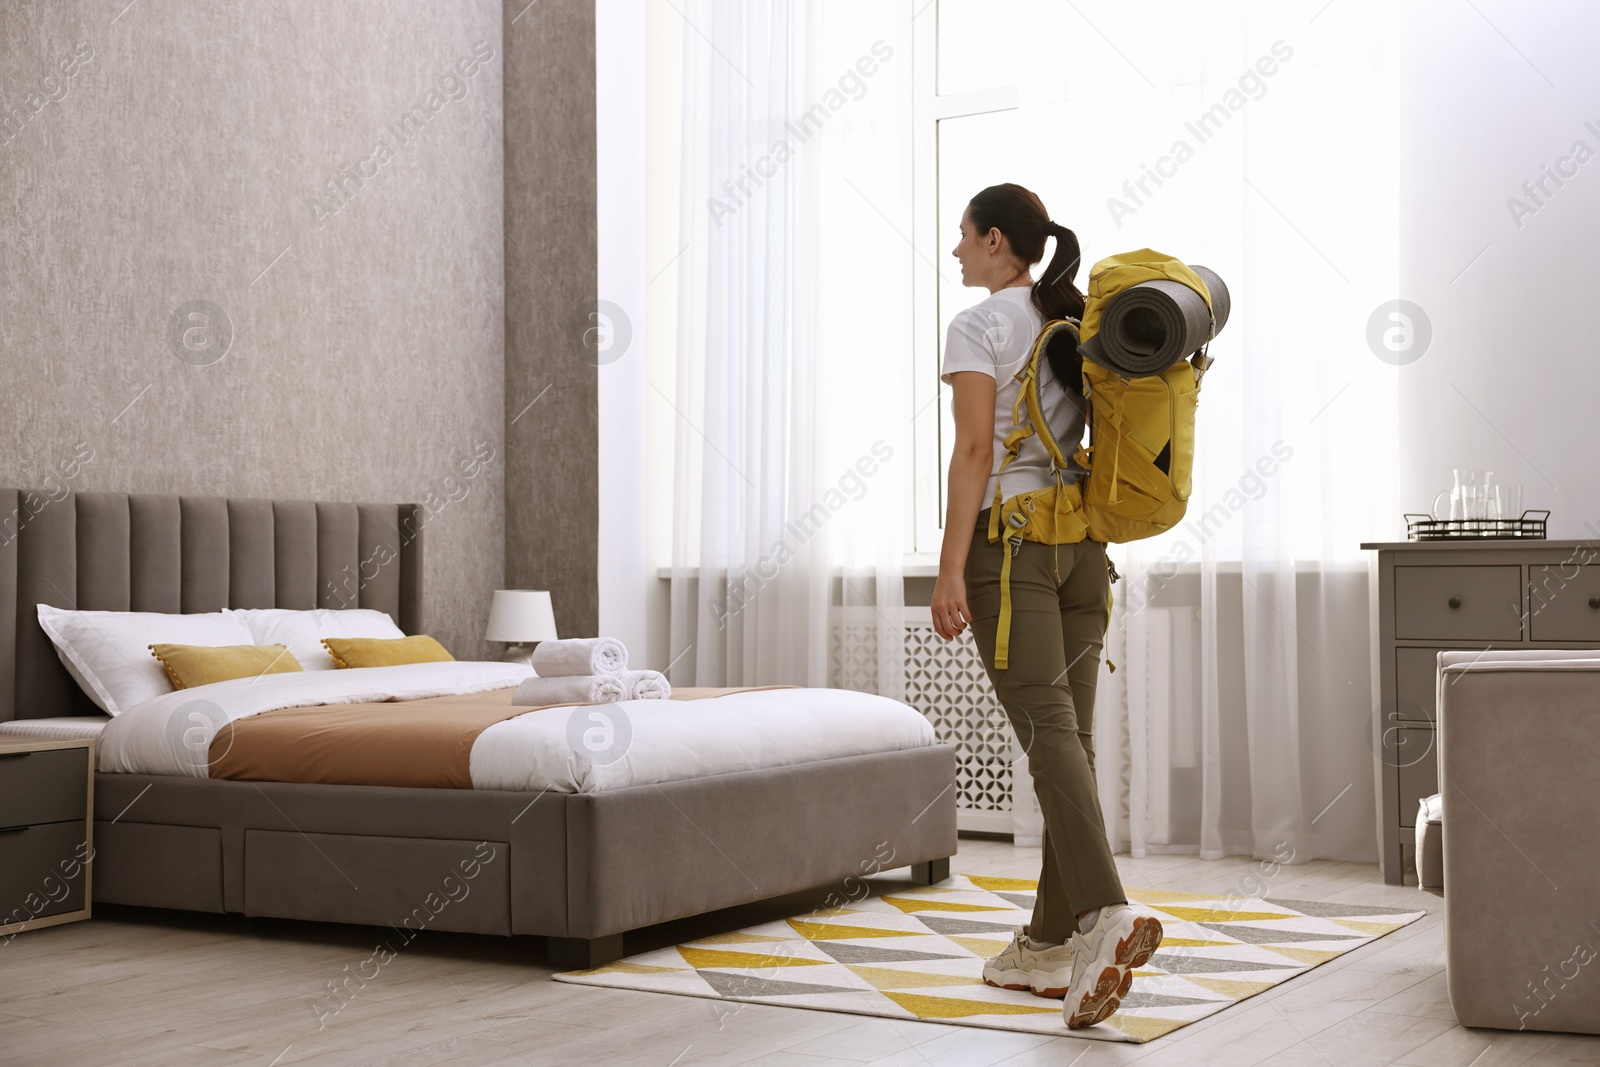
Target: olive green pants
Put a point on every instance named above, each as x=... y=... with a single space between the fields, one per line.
x=1058 y=622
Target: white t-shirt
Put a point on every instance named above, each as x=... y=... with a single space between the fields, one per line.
x=995 y=337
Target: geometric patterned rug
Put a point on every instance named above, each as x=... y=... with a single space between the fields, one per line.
x=918 y=954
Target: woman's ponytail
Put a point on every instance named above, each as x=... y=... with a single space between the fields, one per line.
x=1057 y=297
x=1020 y=215
x=1055 y=294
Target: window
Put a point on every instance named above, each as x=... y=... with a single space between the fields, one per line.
x=1260 y=139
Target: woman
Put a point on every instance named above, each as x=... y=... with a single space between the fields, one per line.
x=1084 y=939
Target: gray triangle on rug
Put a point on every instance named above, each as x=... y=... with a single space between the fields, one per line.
x=873 y=954
x=1261 y=935
x=963 y=926
x=747 y=985
x=1173 y=963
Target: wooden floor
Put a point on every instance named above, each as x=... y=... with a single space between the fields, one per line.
x=147 y=988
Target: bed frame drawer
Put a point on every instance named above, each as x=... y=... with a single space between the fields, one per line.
x=410 y=883
x=157 y=866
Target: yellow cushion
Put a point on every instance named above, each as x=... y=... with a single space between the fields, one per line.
x=192 y=665
x=384 y=652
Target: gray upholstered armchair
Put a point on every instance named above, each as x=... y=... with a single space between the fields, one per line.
x=1519 y=774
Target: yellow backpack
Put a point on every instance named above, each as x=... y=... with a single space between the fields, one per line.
x=1141 y=438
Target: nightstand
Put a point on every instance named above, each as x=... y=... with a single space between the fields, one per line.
x=46 y=831
x=1473 y=596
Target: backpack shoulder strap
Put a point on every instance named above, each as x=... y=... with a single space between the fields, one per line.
x=1035 y=423
x=1030 y=387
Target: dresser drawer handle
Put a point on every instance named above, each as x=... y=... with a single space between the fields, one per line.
x=1455 y=602
x=14 y=829
x=1594 y=602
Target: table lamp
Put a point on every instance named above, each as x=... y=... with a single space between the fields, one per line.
x=521 y=618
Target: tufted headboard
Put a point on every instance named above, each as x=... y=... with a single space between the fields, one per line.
x=147 y=552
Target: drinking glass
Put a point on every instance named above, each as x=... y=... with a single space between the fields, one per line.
x=1475 y=493
x=1506 y=502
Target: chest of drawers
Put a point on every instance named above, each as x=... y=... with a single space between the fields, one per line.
x=1473 y=595
x=46 y=831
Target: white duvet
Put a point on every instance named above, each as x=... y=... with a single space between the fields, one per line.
x=567 y=749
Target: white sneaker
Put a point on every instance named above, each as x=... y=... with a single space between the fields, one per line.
x=1122 y=939
x=1044 y=972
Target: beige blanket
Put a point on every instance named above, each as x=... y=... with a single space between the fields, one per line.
x=422 y=743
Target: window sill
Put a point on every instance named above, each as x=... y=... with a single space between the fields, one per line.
x=914 y=564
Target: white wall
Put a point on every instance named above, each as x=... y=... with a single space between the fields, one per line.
x=1508 y=382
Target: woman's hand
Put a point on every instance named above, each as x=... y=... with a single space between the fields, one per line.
x=950 y=613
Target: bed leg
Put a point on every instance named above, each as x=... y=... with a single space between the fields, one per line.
x=931 y=872
x=584 y=953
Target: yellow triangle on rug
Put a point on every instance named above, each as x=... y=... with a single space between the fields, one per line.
x=1375 y=929
x=926 y=1007
x=828 y=913
x=1153 y=897
x=1229 y=987
x=1313 y=956
x=624 y=967
x=838 y=931
x=980 y=947
x=892 y=978
x=1145 y=1028
x=911 y=904
x=1217 y=952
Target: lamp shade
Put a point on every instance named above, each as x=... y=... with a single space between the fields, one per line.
x=521 y=615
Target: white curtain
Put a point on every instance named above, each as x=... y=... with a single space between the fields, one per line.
x=791 y=451
x=1239 y=720
x=1258 y=138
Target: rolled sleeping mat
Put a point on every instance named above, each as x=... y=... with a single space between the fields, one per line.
x=1150 y=326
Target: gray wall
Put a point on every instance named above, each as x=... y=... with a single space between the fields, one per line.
x=552 y=467
x=1505 y=273
x=172 y=152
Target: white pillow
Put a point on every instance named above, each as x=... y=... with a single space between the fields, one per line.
x=302 y=631
x=108 y=652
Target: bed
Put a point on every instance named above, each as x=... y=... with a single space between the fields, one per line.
x=578 y=864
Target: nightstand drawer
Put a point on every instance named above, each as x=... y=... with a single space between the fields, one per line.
x=1417 y=775
x=34 y=863
x=1458 y=603
x=48 y=786
x=1563 y=605
x=1416 y=681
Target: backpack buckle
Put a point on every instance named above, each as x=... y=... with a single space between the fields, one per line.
x=1016 y=520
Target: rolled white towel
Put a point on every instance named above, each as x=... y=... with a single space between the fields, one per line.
x=580 y=655
x=646 y=685
x=570 y=689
